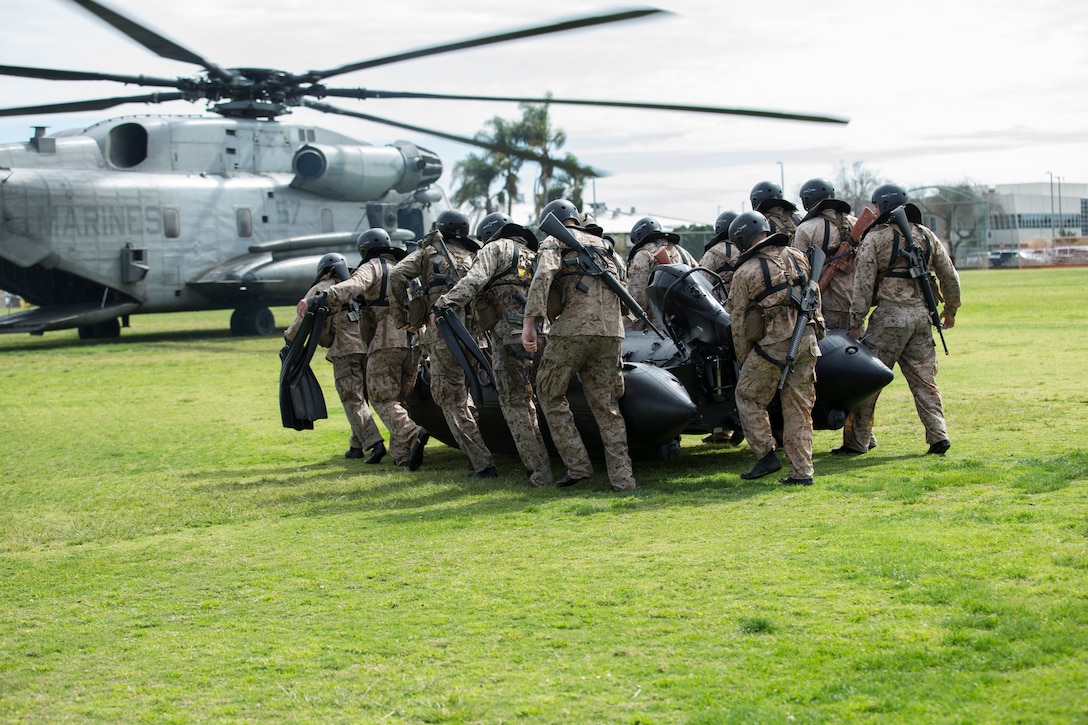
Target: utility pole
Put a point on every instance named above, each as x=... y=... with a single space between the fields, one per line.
x=1051 y=204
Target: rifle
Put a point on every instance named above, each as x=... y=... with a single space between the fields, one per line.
x=914 y=254
x=864 y=220
x=808 y=301
x=436 y=238
x=593 y=267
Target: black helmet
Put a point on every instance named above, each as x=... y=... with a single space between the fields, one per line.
x=336 y=263
x=376 y=241
x=562 y=210
x=647 y=229
x=889 y=196
x=763 y=191
x=814 y=191
x=490 y=224
x=452 y=224
x=743 y=229
x=721 y=229
x=721 y=224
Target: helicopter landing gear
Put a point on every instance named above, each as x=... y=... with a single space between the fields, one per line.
x=105 y=330
x=251 y=320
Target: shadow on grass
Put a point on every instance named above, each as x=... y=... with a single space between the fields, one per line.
x=127 y=338
x=442 y=488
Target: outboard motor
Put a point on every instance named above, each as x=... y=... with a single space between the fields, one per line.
x=684 y=300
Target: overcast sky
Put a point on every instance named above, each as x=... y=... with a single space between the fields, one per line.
x=937 y=91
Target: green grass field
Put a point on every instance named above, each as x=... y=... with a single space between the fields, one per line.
x=170 y=553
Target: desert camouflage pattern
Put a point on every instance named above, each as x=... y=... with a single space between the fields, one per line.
x=449 y=390
x=391 y=376
x=392 y=361
x=420 y=265
x=494 y=273
x=720 y=259
x=449 y=386
x=899 y=328
x=830 y=231
x=597 y=359
x=638 y=276
x=585 y=339
x=759 y=376
x=370 y=285
x=595 y=311
x=348 y=357
x=782 y=218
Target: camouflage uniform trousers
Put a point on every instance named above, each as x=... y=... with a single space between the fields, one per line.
x=391 y=375
x=449 y=389
x=840 y=320
x=597 y=359
x=513 y=376
x=902 y=334
x=756 y=387
x=349 y=372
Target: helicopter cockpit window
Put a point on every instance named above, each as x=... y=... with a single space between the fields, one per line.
x=127 y=145
x=244 y=219
x=171 y=223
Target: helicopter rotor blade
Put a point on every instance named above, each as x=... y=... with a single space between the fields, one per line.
x=584 y=171
x=365 y=93
x=558 y=27
x=52 y=74
x=93 y=105
x=157 y=44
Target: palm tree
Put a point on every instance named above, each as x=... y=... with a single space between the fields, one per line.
x=477 y=174
x=533 y=132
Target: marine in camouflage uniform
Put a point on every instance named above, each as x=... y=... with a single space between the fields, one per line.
x=766 y=198
x=392 y=360
x=717 y=264
x=498 y=280
x=720 y=255
x=647 y=237
x=763 y=320
x=449 y=386
x=348 y=357
x=827 y=225
x=585 y=339
x=899 y=329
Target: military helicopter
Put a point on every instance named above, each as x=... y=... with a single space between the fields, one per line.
x=161 y=213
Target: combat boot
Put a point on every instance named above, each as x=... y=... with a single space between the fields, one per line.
x=377 y=453
x=415 y=454
x=764 y=466
x=939 y=448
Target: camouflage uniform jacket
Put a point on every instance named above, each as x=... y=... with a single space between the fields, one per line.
x=429 y=265
x=782 y=217
x=830 y=231
x=761 y=287
x=721 y=259
x=586 y=305
x=369 y=285
x=882 y=273
x=345 y=332
x=500 y=275
x=641 y=264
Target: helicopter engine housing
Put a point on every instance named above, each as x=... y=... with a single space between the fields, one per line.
x=363 y=173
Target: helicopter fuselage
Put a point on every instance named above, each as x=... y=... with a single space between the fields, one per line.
x=175 y=213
